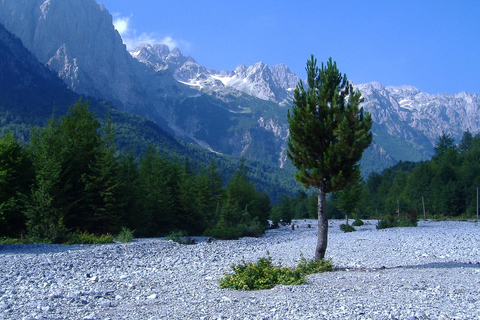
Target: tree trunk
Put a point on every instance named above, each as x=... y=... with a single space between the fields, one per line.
x=322 y=225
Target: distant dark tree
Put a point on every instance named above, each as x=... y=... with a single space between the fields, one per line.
x=467 y=142
x=445 y=144
x=76 y=183
x=46 y=210
x=349 y=198
x=244 y=210
x=328 y=134
x=129 y=190
x=16 y=176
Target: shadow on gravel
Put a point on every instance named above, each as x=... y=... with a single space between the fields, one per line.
x=38 y=248
x=440 y=265
x=431 y=265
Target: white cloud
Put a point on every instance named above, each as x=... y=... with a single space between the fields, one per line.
x=132 y=39
x=121 y=24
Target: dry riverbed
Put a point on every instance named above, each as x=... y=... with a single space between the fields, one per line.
x=428 y=272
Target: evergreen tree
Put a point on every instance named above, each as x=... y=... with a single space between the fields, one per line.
x=209 y=192
x=328 y=134
x=46 y=212
x=190 y=218
x=467 y=142
x=16 y=176
x=102 y=186
x=130 y=195
x=349 y=198
x=76 y=171
x=445 y=144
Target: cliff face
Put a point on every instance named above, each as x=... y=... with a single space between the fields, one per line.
x=408 y=113
x=77 y=40
x=239 y=112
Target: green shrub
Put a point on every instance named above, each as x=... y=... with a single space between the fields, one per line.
x=179 y=237
x=358 y=223
x=391 y=221
x=388 y=221
x=125 y=235
x=83 y=237
x=346 y=228
x=7 y=240
x=307 y=267
x=265 y=275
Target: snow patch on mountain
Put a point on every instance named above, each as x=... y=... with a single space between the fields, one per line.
x=273 y=84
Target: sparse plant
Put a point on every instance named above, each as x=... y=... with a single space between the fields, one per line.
x=179 y=237
x=358 y=223
x=265 y=275
x=311 y=266
x=346 y=228
x=125 y=235
x=8 y=240
x=388 y=221
x=83 y=237
x=391 y=221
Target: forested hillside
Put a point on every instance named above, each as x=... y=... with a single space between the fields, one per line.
x=72 y=178
x=446 y=184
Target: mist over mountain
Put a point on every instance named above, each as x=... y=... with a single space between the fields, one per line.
x=239 y=112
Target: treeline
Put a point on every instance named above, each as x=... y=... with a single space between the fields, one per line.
x=71 y=177
x=447 y=186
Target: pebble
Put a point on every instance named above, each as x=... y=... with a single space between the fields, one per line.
x=428 y=272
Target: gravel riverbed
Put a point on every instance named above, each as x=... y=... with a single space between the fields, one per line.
x=428 y=272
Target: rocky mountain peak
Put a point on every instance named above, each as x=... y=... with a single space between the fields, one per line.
x=78 y=40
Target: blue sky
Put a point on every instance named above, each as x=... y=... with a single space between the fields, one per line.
x=433 y=45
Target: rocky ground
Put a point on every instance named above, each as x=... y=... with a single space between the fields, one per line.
x=428 y=272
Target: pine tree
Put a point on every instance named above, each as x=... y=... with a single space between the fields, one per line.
x=45 y=211
x=467 y=142
x=16 y=176
x=76 y=176
x=328 y=134
x=349 y=198
x=130 y=192
x=445 y=145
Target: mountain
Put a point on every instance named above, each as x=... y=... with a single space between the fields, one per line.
x=31 y=92
x=77 y=40
x=407 y=122
x=417 y=118
x=274 y=84
x=240 y=112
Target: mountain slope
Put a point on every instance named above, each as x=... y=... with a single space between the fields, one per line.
x=31 y=92
x=239 y=112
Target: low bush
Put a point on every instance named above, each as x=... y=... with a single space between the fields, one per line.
x=358 y=223
x=125 y=235
x=179 y=237
x=265 y=275
x=346 y=228
x=392 y=221
x=7 y=240
x=310 y=266
x=83 y=237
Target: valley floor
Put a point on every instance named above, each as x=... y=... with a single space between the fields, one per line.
x=428 y=272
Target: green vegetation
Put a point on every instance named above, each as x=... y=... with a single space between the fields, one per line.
x=328 y=134
x=358 y=223
x=84 y=237
x=347 y=228
x=392 y=221
x=180 y=237
x=72 y=176
x=265 y=275
x=125 y=235
x=446 y=185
